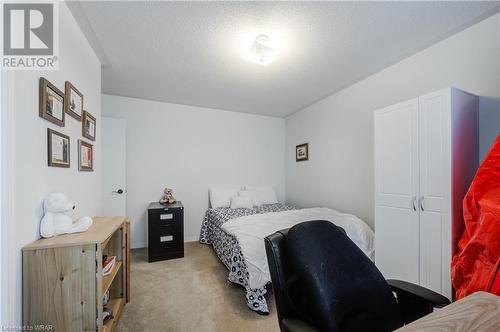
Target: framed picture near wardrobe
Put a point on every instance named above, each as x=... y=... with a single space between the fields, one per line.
x=74 y=101
x=88 y=126
x=51 y=106
x=302 y=152
x=85 y=156
x=58 y=149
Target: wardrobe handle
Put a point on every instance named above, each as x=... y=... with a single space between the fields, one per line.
x=422 y=207
x=414 y=203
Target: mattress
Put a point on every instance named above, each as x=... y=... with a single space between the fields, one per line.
x=228 y=249
x=250 y=232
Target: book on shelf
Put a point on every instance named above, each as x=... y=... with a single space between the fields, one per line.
x=105 y=298
x=107 y=264
x=107 y=314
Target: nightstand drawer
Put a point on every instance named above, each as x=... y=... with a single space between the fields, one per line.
x=166 y=246
x=165 y=222
x=169 y=241
x=168 y=228
x=166 y=215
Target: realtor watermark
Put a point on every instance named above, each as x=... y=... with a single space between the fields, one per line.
x=37 y=327
x=30 y=35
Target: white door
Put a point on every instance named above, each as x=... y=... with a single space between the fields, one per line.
x=114 y=170
x=396 y=191
x=435 y=185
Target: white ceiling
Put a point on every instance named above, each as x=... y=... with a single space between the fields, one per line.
x=190 y=52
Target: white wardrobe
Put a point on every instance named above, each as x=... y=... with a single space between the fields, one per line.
x=426 y=154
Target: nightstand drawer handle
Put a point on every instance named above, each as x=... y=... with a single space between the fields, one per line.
x=166 y=238
x=167 y=216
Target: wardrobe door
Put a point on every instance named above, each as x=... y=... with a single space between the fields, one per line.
x=435 y=188
x=396 y=191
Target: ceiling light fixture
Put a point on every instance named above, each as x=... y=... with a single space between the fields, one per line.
x=261 y=52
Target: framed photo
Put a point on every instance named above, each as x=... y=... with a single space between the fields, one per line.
x=58 y=149
x=85 y=156
x=302 y=152
x=88 y=126
x=74 y=101
x=51 y=103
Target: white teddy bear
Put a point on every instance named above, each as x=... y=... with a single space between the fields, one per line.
x=56 y=221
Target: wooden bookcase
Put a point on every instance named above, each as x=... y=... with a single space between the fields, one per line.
x=63 y=285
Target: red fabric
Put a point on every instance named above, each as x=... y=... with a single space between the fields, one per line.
x=495 y=284
x=475 y=266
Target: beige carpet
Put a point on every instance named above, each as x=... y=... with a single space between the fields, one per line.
x=189 y=294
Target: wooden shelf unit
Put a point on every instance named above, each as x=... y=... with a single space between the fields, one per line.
x=63 y=285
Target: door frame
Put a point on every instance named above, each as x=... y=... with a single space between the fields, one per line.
x=7 y=257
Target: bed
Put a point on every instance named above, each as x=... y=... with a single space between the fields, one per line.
x=228 y=250
x=236 y=236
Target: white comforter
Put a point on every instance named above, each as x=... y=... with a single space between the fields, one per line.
x=251 y=231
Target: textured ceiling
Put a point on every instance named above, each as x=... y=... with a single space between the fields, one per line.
x=190 y=52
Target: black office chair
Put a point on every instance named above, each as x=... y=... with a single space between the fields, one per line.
x=323 y=282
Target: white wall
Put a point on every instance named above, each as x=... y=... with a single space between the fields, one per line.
x=339 y=128
x=189 y=149
x=32 y=179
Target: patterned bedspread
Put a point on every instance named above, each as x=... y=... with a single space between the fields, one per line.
x=229 y=252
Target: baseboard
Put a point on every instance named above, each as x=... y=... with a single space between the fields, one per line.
x=138 y=245
x=191 y=239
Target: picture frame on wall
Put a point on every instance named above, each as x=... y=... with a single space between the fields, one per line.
x=58 y=149
x=51 y=106
x=302 y=152
x=88 y=126
x=85 y=156
x=74 y=101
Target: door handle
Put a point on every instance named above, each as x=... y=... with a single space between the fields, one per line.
x=119 y=191
x=422 y=206
x=413 y=203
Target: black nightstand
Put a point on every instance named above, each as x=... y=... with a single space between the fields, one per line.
x=165 y=231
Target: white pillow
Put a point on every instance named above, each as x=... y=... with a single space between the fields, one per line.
x=252 y=194
x=220 y=197
x=265 y=195
x=241 y=202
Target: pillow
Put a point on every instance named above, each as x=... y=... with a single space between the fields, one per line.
x=252 y=194
x=220 y=197
x=265 y=195
x=241 y=202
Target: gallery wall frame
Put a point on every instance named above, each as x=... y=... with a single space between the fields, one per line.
x=89 y=126
x=85 y=156
x=73 y=103
x=58 y=149
x=51 y=106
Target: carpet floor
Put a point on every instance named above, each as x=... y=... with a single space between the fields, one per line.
x=189 y=294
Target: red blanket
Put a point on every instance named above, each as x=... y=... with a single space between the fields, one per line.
x=475 y=266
